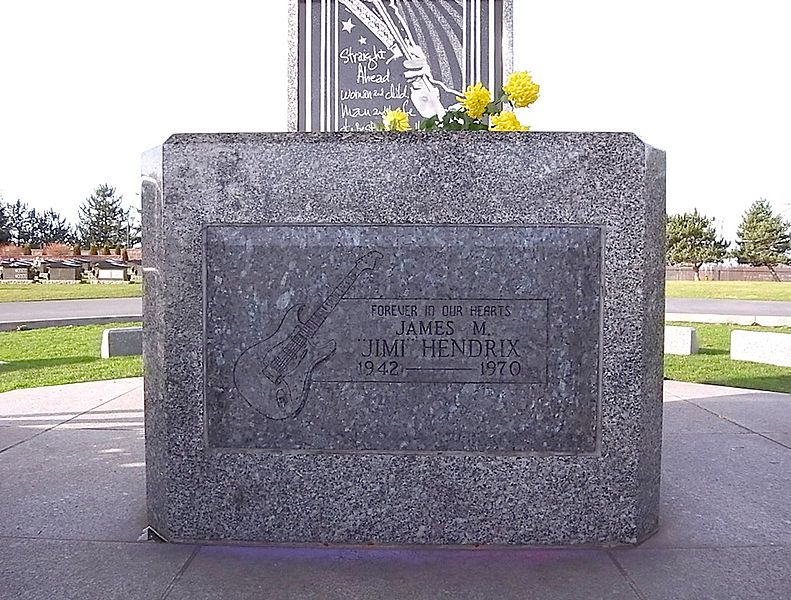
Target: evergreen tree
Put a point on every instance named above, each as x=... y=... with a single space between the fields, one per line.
x=103 y=219
x=22 y=226
x=5 y=226
x=20 y=223
x=692 y=240
x=764 y=238
x=50 y=228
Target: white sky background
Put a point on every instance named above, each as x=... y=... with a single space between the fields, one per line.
x=86 y=86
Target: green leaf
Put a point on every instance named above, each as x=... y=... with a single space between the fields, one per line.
x=494 y=107
x=429 y=124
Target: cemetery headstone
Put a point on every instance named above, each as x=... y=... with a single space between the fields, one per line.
x=761 y=347
x=404 y=338
x=64 y=271
x=18 y=271
x=352 y=59
x=122 y=341
x=681 y=340
x=111 y=271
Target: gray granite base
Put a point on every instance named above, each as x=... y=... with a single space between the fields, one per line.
x=567 y=455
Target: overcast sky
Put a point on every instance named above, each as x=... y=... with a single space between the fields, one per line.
x=86 y=86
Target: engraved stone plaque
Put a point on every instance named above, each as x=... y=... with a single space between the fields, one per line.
x=327 y=363
x=440 y=340
x=403 y=338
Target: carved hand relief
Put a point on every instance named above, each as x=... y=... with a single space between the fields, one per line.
x=321 y=337
x=357 y=58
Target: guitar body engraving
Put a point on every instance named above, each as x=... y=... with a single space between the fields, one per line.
x=278 y=396
x=274 y=375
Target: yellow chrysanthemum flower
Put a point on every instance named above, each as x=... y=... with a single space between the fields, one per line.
x=506 y=121
x=396 y=120
x=521 y=89
x=475 y=100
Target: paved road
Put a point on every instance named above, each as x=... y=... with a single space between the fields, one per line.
x=740 y=312
x=73 y=312
x=69 y=312
x=728 y=307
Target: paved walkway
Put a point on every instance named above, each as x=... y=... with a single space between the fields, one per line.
x=72 y=509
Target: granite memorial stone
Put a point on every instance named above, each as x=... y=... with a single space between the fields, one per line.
x=122 y=341
x=681 y=340
x=64 y=271
x=18 y=271
x=352 y=59
x=761 y=347
x=398 y=339
x=421 y=321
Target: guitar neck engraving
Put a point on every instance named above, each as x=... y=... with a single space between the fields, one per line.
x=300 y=337
x=309 y=329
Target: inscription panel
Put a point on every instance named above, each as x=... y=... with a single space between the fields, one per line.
x=429 y=340
x=403 y=338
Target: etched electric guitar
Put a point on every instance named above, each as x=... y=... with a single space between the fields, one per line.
x=273 y=376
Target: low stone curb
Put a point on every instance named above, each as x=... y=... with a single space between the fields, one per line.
x=43 y=323
x=766 y=321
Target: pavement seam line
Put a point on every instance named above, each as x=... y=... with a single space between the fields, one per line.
x=636 y=549
x=666 y=393
x=680 y=433
x=179 y=573
x=632 y=583
x=713 y=546
x=77 y=416
x=724 y=418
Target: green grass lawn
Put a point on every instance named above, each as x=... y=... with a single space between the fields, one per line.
x=59 y=355
x=71 y=354
x=15 y=292
x=713 y=365
x=735 y=290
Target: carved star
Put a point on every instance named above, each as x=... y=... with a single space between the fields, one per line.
x=363 y=41
x=348 y=25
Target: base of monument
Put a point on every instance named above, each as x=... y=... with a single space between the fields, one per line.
x=414 y=339
x=152 y=535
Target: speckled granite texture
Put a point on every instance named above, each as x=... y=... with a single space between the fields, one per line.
x=507 y=361
x=210 y=479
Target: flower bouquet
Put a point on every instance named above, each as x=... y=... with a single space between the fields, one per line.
x=476 y=110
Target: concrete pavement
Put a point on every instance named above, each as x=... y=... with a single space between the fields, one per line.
x=72 y=509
